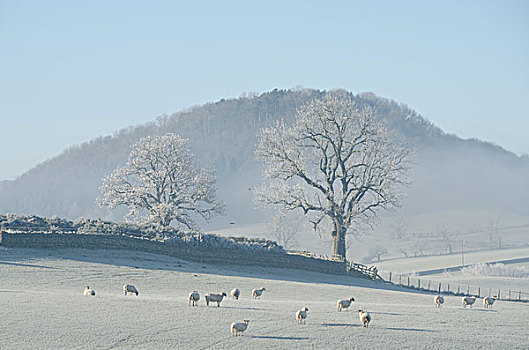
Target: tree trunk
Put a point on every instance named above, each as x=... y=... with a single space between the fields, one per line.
x=339 y=242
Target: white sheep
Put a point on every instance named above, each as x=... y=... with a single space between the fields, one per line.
x=235 y=293
x=239 y=327
x=89 y=291
x=488 y=301
x=256 y=293
x=365 y=318
x=214 y=298
x=344 y=303
x=468 y=301
x=129 y=288
x=301 y=315
x=439 y=301
x=194 y=297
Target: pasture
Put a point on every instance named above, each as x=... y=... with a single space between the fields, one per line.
x=42 y=307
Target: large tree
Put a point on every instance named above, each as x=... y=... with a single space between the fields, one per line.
x=337 y=163
x=161 y=184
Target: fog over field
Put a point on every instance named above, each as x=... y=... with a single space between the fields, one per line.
x=42 y=307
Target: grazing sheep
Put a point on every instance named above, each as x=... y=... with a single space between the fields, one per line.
x=194 y=297
x=468 y=301
x=214 y=297
x=439 y=301
x=89 y=291
x=301 y=315
x=235 y=293
x=365 y=318
x=239 y=327
x=129 y=288
x=256 y=293
x=344 y=303
x=488 y=301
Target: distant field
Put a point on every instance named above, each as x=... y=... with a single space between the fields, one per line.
x=42 y=307
x=407 y=265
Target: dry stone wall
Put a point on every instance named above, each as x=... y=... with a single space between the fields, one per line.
x=224 y=256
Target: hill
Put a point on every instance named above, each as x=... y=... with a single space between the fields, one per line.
x=450 y=173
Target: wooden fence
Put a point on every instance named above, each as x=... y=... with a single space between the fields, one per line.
x=416 y=283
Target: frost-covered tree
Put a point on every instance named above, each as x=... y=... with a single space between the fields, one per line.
x=283 y=229
x=336 y=163
x=445 y=236
x=375 y=253
x=161 y=184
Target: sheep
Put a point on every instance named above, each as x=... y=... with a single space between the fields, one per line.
x=194 y=297
x=301 y=315
x=488 y=301
x=256 y=293
x=344 y=303
x=468 y=301
x=239 y=327
x=89 y=291
x=235 y=293
x=439 y=301
x=129 y=288
x=214 y=297
x=365 y=318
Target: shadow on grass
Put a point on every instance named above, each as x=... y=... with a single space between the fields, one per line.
x=340 y=325
x=243 y=308
x=27 y=265
x=481 y=310
x=279 y=338
x=385 y=313
x=150 y=261
x=411 y=329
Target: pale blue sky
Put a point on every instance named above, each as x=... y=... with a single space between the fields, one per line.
x=71 y=71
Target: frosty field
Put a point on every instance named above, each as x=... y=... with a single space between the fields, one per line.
x=42 y=307
x=443 y=261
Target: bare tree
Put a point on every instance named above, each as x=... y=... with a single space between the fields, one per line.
x=160 y=183
x=419 y=248
x=336 y=163
x=494 y=233
x=400 y=227
x=375 y=252
x=445 y=237
x=404 y=252
x=283 y=229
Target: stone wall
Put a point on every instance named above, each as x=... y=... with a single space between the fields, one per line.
x=226 y=256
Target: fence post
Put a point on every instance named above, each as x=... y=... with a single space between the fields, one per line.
x=408 y=281
x=458 y=289
x=400 y=280
x=429 y=285
x=419 y=283
x=509 y=294
x=390 y=277
x=448 y=287
x=468 y=290
x=439 y=287
x=499 y=291
x=520 y=295
x=479 y=292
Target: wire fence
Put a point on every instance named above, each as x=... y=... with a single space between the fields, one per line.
x=427 y=285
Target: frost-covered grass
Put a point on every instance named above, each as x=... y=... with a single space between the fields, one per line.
x=497 y=270
x=42 y=307
x=485 y=283
x=406 y=265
